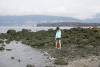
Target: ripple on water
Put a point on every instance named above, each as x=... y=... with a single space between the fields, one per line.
x=23 y=53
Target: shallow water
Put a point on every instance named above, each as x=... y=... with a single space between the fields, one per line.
x=4 y=29
x=25 y=53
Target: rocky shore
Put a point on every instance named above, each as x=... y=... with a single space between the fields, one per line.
x=80 y=46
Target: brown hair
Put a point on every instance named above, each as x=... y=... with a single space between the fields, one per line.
x=57 y=28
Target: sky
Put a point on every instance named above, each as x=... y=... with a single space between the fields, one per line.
x=81 y=9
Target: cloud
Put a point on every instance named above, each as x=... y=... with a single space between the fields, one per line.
x=81 y=9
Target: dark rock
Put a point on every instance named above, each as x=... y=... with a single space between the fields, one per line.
x=8 y=49
x=2 y=48
x=19 y=60
x=12 y=57
x=30 y=65
x=50 y=66
x=3 y=45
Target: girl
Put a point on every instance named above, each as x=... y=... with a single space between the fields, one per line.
x=58 y=37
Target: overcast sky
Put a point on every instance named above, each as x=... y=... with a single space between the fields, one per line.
x=81 y=9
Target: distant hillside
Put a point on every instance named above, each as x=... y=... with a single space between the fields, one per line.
x=5 y=20
x=39 y=19
x=73 y=24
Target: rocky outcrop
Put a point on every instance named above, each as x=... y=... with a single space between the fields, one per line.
x=86 y=62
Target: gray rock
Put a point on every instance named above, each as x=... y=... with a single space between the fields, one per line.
x=30 y=65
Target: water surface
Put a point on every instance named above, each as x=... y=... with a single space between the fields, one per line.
x=24 y=53
x=4 y=29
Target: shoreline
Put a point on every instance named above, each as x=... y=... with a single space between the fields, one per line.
x=76 y=43
x=22 y=55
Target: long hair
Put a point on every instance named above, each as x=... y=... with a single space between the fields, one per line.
x=57 y=28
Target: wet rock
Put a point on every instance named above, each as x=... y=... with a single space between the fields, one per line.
x=8 y=49
x=19 y=60
x=60 y=61
x=30 y=65
x=51 y=58
x=89 y=46
x=3 y=45
x=98 y=65
x=85 y=62
x=50 y=66
x=12 y=57
x=31 y=58
x=2 y=48
x=45 y=53
x=1 y=41
x=16 y=42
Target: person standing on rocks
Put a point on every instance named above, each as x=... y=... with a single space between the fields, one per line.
x=58 y=37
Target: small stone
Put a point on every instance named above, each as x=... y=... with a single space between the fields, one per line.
x=89 y=46
x=3 y=45
x=12 y=57
x=50 y=66
x=8 y=49
x=30 y=65
x=19 y=60
x=2 y=48
x=31 y=58
x=98 y=65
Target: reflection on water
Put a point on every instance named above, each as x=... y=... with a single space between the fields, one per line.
x=24 y=53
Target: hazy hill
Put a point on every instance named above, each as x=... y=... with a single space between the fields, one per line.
x=33 y=19
x=5 y=20
x=73 y=24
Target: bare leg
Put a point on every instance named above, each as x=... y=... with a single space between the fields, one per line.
x=59 y=43
x=56 y=43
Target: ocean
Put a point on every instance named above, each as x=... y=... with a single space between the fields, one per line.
x=4 y=29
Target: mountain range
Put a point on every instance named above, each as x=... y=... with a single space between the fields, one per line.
x=36 y=19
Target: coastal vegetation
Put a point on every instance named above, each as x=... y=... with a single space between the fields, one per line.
x=76 y=42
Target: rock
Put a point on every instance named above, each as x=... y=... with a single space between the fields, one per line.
x=51 y=58
x=12 y=57
x=31 y=58
x=16 y=42
x=30 y=65
x=3 y=45
x=8 y=49
x=2 y=48
x=45 y=53
x=60 y=61
x=50 y=66
x=85 y=62
x=98 y=65
x=19 y=60
x=89 y=46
